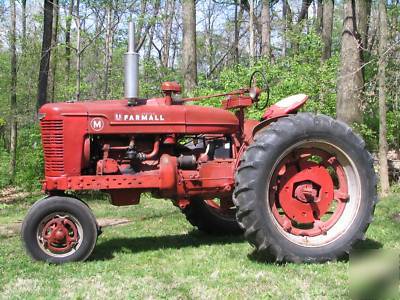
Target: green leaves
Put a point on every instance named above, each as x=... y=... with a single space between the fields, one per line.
x=301 y=73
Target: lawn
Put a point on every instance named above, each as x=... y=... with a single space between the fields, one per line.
x=159 y=255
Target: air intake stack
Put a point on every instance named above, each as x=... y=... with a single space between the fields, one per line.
x=131 y=86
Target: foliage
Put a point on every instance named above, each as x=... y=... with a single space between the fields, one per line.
x=301 y=73
x=30 y=163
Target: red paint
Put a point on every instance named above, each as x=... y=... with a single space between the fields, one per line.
x=155 y=150
x=285 y=106
x=170 y=87
x=233 y=102
x=59 y=235
x=76 y=135
x=305 y=195
x=122 y=197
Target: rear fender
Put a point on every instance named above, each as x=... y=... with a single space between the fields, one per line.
x=265 y=123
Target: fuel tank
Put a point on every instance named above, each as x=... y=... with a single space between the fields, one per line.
x=116 y=117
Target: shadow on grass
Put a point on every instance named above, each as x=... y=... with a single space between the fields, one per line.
x=108 y=249
x=361 y=246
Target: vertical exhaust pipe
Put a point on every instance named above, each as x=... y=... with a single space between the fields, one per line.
x=131 y=86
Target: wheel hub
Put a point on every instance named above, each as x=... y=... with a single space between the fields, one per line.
x=59 y=235
x=306 y=195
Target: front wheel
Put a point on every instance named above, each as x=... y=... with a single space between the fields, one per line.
x=59 y=229
x=306 y=189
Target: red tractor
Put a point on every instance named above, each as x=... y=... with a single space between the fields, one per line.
x=300 y=186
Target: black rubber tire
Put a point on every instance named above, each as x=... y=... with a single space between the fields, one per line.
x=257 y=164
x=52 y=204
x=200 y=215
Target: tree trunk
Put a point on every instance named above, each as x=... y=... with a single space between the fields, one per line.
x=251 y=29
x=150 y=43
x=320 y=13
x=266 y=29
x=45 y=54
x=13 y=90
x=78 y=52
x=327 y=25
x=383 y=145
x=237 y=29
x=350 y=81
x=363 y=11
x=108 y=50
x=305 y=4
x=285 y=17
x=23 y=3
x=175 y=49
x=170 y=12
x=156 y=8
x=68 y=38
x=189 y=56
x=54 y=43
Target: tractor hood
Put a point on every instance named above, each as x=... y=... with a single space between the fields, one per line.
x=116 y=117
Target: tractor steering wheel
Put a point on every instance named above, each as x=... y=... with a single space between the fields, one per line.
x=253 y=88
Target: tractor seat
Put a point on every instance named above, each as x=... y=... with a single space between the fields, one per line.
x=285 y=106
x=292 y=101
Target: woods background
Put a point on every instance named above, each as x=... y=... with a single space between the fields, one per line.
x=343 y=54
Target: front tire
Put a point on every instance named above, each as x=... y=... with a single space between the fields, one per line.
x=305 y=189
x=59 y=229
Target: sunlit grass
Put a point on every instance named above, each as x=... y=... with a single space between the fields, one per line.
x=159 y=255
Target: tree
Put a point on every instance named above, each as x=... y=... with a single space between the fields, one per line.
x=236 y=33
x=77 y=19
x=320 y=12
x=54 y=44
x=287 y=21
x=45 y=53
x=13 y=90
x=305 y=4
x=383 y=145
x=252 y=45
x=350 y=81
x=170 y=13
x=327 y=24
x=68 y=47
x=23 y=13
x=363 y=11
x=108 y=49
x=189 y=55
x=266 y=29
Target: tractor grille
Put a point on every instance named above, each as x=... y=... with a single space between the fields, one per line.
x=53 y=146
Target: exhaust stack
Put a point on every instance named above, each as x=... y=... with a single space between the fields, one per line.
x=131 y=86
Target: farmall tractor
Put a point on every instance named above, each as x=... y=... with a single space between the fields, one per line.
x=301 y=187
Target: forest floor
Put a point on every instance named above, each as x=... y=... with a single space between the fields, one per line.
x=151 y=251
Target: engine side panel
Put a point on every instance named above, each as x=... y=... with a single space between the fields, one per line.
x=158 y=119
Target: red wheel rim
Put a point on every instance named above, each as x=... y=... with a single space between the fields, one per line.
x=59 y=234
x=308 y=192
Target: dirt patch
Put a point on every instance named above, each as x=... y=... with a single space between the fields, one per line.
x=13 y=229
x=396 y=217
x=106 y=222
x=10 y=194
x=9 y=230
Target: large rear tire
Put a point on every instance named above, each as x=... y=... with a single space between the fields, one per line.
x=212 y=217
x=305 y=189
x=59 y=229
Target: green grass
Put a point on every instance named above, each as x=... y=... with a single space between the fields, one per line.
x=159 y=255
